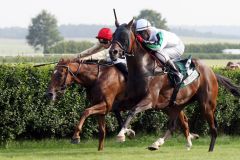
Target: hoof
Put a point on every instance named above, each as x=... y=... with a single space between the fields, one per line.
x=120 y=138
x=194 y=136
x=130 y=134
x=75 y=141
x=153 y=147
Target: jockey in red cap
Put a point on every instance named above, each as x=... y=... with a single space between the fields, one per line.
x=104 y=42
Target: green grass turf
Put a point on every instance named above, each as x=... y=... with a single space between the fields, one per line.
x=226 y=148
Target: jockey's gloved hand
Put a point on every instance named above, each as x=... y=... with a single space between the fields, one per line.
x=149 y=42
x=139 y=38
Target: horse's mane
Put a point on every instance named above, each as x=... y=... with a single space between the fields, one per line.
x=85 y=61
x=96 y=61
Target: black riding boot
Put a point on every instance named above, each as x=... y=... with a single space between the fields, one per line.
x=179 y=76
x=178 y=79
x=123 y=68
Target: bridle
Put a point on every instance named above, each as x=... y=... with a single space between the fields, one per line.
x=64 y=86
x=129 y=51
x=125 y=50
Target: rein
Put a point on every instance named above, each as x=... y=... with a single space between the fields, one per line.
x=131 y=52
x=70 y=71
x=78 y=70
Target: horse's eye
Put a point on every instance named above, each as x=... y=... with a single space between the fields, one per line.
x=58 y=75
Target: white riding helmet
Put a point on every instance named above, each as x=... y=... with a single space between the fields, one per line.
x=142 y=24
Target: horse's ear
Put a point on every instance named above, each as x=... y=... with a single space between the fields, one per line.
x=61 y=60
x=129 y=25
x=116 y=20
x=117 y=24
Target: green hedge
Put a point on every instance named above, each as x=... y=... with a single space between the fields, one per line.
x=209 y=48
x=212 y=55
x=34 y=60
x=25 y=113
x=24 y=110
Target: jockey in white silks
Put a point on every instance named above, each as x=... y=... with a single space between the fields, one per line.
x=166 y=45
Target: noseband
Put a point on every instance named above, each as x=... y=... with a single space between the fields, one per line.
x=64 y=86
x=78 y=71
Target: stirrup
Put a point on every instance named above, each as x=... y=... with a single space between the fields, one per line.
x=179 y=78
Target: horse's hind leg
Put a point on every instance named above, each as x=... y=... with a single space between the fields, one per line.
x=213 y=130
x=189 y=136
x=160 y=141
x=209 y=110
x=173 y=114
x=102 y=131
x=184 y=123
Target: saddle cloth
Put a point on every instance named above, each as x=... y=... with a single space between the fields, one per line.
x=187 y=68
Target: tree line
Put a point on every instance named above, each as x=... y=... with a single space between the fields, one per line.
x=44 y=33
x=90 y=30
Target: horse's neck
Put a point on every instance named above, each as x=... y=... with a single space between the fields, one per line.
x=139 y=66
x=88 y=74
x=141 y=63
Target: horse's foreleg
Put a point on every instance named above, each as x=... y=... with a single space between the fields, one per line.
x=96 y=109
x=130 y=133
x=116 y=111
x=142 y=106
x=102 y=131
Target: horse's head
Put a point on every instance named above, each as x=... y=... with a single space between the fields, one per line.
x=122 y=41
x=62 y=76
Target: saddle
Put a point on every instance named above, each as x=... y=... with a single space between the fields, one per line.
x=187 y=68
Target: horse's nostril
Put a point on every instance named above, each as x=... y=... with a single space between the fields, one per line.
x=49 y=95
x=115 y=52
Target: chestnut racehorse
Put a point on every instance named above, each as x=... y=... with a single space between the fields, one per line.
x=104 y=84
x=148 y=91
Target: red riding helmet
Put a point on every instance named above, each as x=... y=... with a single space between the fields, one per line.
x=105 y=33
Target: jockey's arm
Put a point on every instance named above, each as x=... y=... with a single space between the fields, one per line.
x=90 y=51
x=161 y=41
x=156 y=45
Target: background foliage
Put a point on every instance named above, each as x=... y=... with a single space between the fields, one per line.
x=70 y=47
x=210 y=47
x=155 y=18
x=26 y=113
x=43 y=32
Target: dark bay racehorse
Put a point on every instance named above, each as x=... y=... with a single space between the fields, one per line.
x=104 y=84
x=145 y=90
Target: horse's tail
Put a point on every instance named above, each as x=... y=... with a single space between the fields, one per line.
x=226 y=82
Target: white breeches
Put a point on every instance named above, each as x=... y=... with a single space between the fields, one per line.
x=169 y=53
